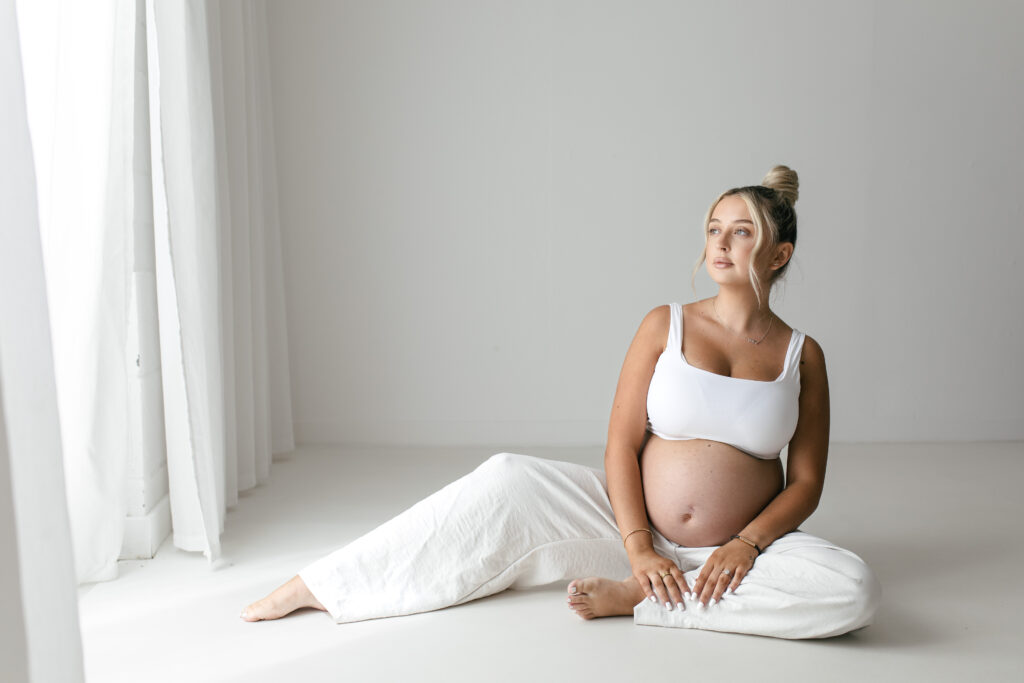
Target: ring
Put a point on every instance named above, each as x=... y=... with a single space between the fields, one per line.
x=664 y=574
x=727 y=572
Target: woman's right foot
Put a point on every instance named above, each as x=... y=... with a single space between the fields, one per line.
x=598 y=597
x=285 y=600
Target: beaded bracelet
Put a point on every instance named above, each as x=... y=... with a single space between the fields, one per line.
x=748 y=542
x=633 y=532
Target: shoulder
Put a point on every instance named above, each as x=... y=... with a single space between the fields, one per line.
x=654 y=328
x=812 y=357
x=659 y=315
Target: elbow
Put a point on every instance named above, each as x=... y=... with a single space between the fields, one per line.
x=623 y=452
x=613 y=456
x=809 y=493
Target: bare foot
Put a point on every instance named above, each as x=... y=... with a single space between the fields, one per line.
x=597 y=597
x=285 y=600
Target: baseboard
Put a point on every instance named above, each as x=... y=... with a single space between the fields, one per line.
x=144 y=534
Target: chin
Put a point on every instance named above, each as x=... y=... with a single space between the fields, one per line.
x=730 y=276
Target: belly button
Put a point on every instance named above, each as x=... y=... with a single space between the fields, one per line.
x=686 y=517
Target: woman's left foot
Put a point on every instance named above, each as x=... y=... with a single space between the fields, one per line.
x=285 y=600
x=597 y=597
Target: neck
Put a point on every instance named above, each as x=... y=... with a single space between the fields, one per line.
x=737 y=308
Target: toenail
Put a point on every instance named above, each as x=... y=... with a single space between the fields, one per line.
x=572 y=589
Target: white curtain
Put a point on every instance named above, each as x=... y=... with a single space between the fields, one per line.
x=162 y=255
x=39 y=637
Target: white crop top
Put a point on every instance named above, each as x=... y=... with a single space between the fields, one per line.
x=757 y=417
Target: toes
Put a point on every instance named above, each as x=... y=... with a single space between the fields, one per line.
x=260 y=610
x=582 y=611
x=577 y=603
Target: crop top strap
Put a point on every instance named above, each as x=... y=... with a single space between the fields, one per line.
x=796 y=347
x=675 y=328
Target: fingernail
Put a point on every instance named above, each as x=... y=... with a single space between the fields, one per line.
x=668 y=606
x=700 y=605
x=654 y=599
x=242 y=614
x=714 y=601
x=728 y=590
x=680 y=606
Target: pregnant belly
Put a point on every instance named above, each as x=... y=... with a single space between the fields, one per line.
x=699 y=492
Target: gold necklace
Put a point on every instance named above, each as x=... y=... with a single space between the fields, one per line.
x=714 y=303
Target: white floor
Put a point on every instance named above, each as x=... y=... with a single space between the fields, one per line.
x=939 y=523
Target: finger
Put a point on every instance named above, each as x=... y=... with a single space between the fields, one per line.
x=723 y=582
x=658 y=584
x=672 y=588
x=740 y=573
x=645 y=585
x=676 y=586
x=698 y=585
x=680 y=578
x=708 y=587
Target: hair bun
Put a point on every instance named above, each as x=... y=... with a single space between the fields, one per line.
x=785 y=181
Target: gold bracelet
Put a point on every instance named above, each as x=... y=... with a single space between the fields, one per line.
x=633 y=532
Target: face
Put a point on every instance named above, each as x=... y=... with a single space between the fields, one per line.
x=730 y=241
x=731 y=237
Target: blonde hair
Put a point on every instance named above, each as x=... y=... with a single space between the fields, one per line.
x=771 y=208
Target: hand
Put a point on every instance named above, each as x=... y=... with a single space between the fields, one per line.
x=724 y=570
x=659 y=577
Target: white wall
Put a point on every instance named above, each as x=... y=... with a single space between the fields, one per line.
x=480 y=201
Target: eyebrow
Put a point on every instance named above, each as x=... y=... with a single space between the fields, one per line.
x=741 y=220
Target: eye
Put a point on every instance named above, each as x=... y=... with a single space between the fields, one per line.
x=742 y=231
x=713 y=231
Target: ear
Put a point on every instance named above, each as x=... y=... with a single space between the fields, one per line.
x=783 y=253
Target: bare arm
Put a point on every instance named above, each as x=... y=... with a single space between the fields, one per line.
x=627 y=435
x=808 y=452
x=627 y=432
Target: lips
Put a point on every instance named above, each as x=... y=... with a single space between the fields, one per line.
x=722 y=262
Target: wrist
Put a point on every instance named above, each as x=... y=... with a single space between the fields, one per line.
x=638 y=541
x=747 y=541
x=762 y=538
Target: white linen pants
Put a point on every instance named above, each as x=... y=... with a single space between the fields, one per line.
x=518 y=521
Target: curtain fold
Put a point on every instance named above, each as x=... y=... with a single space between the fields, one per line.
x=191 y=338
x=151 y=128
x=39 y=617
x=80 y=111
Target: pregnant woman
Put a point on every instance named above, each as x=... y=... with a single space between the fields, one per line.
x=693 y=506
